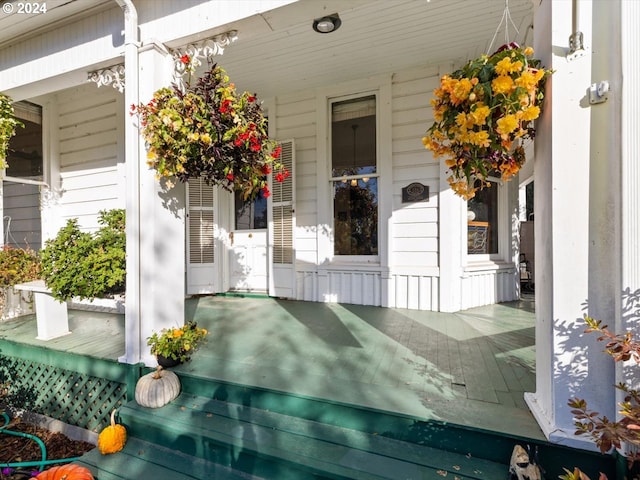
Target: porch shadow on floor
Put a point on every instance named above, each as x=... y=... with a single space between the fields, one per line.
x=469 y=368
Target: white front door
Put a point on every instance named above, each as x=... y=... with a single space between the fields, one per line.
x=248 y=245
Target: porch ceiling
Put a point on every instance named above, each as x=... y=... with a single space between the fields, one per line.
x=278 y=51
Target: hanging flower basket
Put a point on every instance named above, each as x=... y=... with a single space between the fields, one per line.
x=208 y=130
x=483 y=113
x=8 y=124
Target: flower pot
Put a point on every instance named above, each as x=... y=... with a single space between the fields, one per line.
x=167 y=362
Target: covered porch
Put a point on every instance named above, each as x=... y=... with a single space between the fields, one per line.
x=470 y=367
x=460 y=376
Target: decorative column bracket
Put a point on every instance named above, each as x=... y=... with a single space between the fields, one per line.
x=113 y=76
x=187 y=59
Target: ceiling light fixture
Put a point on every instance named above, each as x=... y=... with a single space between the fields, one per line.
x=327 y=24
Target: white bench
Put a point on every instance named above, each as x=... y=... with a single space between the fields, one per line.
x=51 y=315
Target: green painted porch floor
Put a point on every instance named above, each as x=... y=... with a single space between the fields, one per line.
x=469 y=368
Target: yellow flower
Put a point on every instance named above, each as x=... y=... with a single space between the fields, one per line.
x=531 y=113
x=450 y=162
x=480 y=138
x=480 y=114
x=502 y=84
x=461 y=119
x=528 y=51
x=527 y=80
x=507 y=124
x=438 y=113
x=177 y=333
x=461 y=91
x=503 y=66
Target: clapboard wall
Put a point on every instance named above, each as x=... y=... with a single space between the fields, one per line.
x=90 y=135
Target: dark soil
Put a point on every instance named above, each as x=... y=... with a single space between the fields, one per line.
x=14 y=449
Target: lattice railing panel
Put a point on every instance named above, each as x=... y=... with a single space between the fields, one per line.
x=74 y=398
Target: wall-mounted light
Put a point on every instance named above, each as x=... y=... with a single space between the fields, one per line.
x=327 y=24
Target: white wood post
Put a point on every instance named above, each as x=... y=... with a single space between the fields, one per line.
x=575 y=188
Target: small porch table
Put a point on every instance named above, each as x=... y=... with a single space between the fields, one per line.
x=51 y=315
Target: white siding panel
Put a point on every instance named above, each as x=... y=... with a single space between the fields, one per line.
x=77 y=46
x=488 y=287
x=90 y=127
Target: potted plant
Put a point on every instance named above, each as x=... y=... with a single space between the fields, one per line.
x=17 y=265
x=208 y=130
x=482 y=114
x=8 y=124
x=175 y=345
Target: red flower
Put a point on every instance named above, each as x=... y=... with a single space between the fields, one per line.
x=230 y=176
x=252 y=126
x=185 y=59
x=280 y=177
x=237 y=142
x=265 y=191
x=255 y=146
x=286 y=174
x=251 y=98
x=266 y=169
x=133 y=107
x=224 y=107
x=276 y=153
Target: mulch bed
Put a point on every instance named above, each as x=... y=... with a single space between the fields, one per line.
x=19 y=449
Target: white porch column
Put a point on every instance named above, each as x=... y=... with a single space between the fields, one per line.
x=159 y=239
x=628 y=106
x=576 y=187
x=453 y=221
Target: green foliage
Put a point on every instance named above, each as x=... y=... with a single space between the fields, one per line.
x=605 y=432
x=13 y=394
x=210 y=131
x=18 y=265
x=177 y=343
x=85 y=265
x=8 y=124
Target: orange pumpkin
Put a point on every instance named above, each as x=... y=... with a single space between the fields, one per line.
x=66 y=472
x=112 y=438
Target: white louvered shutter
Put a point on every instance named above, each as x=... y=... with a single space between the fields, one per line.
x=282 y=227
x=200 y=237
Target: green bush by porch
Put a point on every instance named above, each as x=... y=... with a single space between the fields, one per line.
x=84 y=265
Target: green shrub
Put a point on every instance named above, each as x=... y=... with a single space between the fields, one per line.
x=18 y=265
x=85 y=265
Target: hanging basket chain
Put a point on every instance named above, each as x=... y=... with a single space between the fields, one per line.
x=506 y=19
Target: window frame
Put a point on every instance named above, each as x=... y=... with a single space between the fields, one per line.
x=501 y=256
x=336 y=258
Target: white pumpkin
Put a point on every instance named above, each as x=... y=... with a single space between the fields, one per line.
x=158 y=388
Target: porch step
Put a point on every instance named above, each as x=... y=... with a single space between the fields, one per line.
x=141 y=459
x=281 y=447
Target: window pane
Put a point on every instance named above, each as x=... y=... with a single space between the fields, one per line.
x=250 y=214
x=483 y=221
x=353 y=137
x=355 y=206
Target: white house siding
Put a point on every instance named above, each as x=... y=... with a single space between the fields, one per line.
x=96 y=40
x=21 y=207
x=412 y=277
x=414 y=281
x=90 y=132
